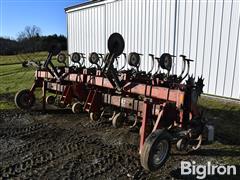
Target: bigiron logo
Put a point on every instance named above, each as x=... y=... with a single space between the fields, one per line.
x=202 y=171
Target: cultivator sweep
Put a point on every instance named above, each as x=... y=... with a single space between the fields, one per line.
x=160 y=106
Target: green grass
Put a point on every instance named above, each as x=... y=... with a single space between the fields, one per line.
x=213 y=103
x=18 y=59
x=13 y=77
x=225 y=116
x=12 y=59
x=7 y=105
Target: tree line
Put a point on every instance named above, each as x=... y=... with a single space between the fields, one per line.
x=30 y=40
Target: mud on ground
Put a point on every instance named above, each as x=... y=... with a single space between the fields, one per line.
x=62 y=145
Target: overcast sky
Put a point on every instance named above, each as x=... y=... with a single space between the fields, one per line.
x=49 y=15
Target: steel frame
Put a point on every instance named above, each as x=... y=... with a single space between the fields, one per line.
x=153 y=103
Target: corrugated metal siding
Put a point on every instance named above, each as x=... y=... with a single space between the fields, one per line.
x=206 y=31
x=141 y=28
x=86 y=31
x=209 y=34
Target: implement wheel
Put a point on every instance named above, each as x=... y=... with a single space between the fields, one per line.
x=62 y=105
x=50 y=100
x=24 y=99
x=95 y=116
x=77 y=108
x=134 y=59
x=117 y=120
x=155 y=150
x=94 y=58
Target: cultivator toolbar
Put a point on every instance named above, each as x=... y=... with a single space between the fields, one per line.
x=159 y=105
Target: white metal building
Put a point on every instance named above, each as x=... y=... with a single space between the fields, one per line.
x=206 y=31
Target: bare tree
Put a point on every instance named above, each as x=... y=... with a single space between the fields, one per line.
x=29 y=32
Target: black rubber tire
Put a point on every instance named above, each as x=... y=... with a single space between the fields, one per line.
x=50 y=100
x=62 y=105
x=75 y=57
x=134 y=59
x=95 y=116
x=166 y=61
x=61 y=58
x=77 y=108
x=94 y=58
x=24 y=100
x=150 y=148
x=117 y=120
x=181 y=145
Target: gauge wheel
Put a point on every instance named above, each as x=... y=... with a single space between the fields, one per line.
x=24 y=99
x=182 y=144
x=134 y=59
x=77 y=108
x=166 y=61
x=117 y=120
x=95 y=116
x=94 y=58
x=76 y=57
x=155 y=150
x=61 y=58
x=62 y=105
x=50 y=100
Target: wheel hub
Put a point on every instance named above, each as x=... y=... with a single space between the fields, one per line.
x=161 y=152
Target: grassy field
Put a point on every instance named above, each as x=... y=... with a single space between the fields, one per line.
x=225 y=116
x=14 y=77
x=12 y=59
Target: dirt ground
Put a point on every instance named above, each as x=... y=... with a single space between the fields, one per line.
x=61 y=145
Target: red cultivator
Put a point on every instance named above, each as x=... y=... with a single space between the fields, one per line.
x=160 y=106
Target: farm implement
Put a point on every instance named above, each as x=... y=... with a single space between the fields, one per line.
x=161 y=106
